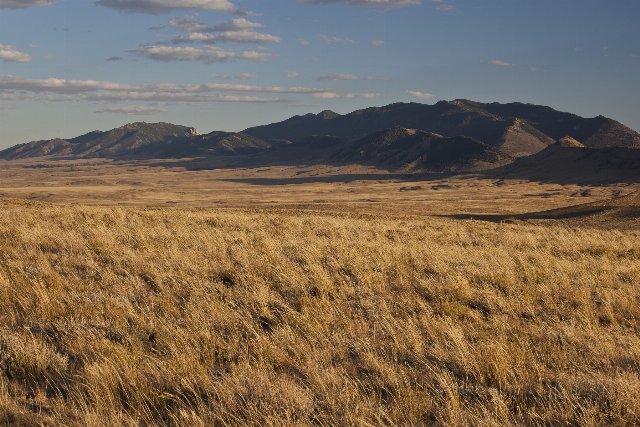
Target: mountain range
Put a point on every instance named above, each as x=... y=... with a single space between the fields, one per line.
x=454 y=136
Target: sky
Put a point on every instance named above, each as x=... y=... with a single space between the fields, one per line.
x=68 y=67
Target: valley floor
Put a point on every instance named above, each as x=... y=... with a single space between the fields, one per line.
x=354 y=188
x=318 y=297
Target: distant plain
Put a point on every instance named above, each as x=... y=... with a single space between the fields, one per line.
x=356 y=188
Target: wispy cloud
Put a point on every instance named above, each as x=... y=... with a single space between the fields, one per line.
x=239 y=30
x=501 y=63
x=55 y=89
x=156 y=7
x=376 y=42
x=206 y=54
x=342 y=95
x=336 y=40
x=348 y=76
x=22 y=4
x=367 y=3
x=442 y=5
x=292 y=74
x=134 y=110
x=239 y=76
x=420 y=95
x=12 y=54
x=228 y=37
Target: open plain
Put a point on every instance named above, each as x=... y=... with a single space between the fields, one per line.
x=319 y=213
x=150 y=293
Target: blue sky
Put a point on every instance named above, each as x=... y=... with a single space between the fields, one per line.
x=71 y=66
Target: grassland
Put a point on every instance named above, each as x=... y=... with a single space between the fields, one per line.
x=267 y=317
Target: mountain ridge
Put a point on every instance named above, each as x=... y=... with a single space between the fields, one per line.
x=458 y=135
x=487 y=122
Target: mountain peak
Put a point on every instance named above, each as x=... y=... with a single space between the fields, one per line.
x=570 y=142
x=328 y=115
x=146 y=125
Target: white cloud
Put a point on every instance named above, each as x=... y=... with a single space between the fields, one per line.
x=164 y=6
x=207 y=54
x=21 y=4
x=134 y=110
x=239 y=24
x=348 y=76
x=169 y=97
x=340 y=95
x=238 y=30
x=376 y=42
x=239 y=76
x=54 y=89
x=367 y=3
x=228 y=37
x=187 y=24
x=11 y=87
x=420 y=95
x=12 y=54
x=500 y=63
x=292 y=74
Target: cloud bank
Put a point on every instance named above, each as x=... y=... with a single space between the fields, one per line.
x=55 y=89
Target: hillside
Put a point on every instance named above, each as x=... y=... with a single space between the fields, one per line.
x=518 y=129
x=570 y=161
x=399 y=148
x=140 y=140
x=126 y=139
x=597 y=132
x=132 y=316
x=608 y=210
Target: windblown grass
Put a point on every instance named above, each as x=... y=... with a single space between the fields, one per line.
x=127 y=316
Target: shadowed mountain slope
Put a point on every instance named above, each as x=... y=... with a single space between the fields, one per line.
x=517 y=129
x=619 y=212
x=399 y=148
x=597 y=132
x=570 y=161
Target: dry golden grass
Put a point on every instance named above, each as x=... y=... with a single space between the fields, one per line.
x=133 y=316
x=314 y=188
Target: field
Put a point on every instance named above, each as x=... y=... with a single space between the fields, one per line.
x=155 y=295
